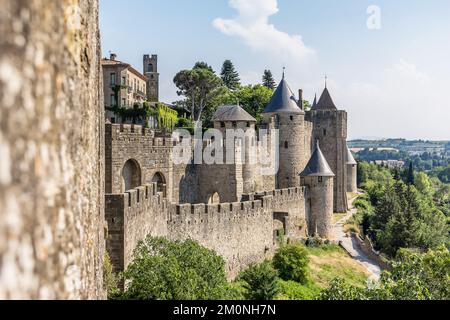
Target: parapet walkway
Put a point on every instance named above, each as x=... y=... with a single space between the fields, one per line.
x=350 y=245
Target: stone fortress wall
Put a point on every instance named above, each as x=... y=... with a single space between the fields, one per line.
x=230 y=208
x=241 y=232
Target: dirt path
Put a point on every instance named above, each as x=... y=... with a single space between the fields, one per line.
x=351 y=247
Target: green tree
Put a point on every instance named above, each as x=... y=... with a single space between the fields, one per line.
x=291 y=262
x=268 y=80
x=203 y=65
x=406 y=219
x=180 y=270
x=423 y=183
x=199 y=85
x=260 y=282
x=410 y=174
x=229 y=75
x=254 y=99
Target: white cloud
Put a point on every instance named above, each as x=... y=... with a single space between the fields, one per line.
x=252 y=26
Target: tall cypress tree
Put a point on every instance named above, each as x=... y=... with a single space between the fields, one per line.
x=410 y=175
x=268 y=80
x=229 y=75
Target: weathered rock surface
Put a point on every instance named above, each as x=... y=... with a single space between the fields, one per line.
x=51 y=150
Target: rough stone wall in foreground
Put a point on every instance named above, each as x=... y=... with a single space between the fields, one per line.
x=51 y=156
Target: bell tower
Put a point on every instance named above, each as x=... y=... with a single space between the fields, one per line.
x=151 y=72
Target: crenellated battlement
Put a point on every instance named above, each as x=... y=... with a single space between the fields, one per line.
x=137 y=133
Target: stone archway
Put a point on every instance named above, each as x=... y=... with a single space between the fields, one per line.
x=214 y=198
x=279 y=226
x=131 y=175
x=160 y=181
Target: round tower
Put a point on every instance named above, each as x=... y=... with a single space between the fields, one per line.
x=234 y=117
x=289 y=119
x=318 y=177
x=352 y=170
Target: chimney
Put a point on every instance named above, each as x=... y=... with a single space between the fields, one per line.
x=300 y=98
x=112 y=56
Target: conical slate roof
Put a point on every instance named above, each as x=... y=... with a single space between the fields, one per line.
x=232 y=113
x=325 y=102
x=317 y=165
x=314 y=105
x=350 y=159
x=283 y=100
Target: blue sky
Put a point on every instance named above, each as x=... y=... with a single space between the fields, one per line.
x=394 y=82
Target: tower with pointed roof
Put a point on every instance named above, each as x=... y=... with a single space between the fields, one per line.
x=285 y=114
x=246 y=173
x=318 y=177
x=352 y=167
x=330 y=127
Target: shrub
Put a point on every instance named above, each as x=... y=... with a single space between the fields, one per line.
x=260 y=282
x=165 y=270
x=291 y=290
x=362 y=204
x=184 y=123
x=292 y=263
x=110 y=279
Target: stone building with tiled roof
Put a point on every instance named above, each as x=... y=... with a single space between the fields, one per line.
x=123 y=85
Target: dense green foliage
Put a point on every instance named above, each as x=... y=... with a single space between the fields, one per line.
x=260 y=282
x=414 y=276
x=442 y=173
x=229 y=76
x=199 y=86
x=292 y=263
x=396 y=215
x=254 y=99
x=180 y=270
x=268 y=81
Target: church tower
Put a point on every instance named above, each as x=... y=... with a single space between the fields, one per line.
x=330 y=128
x=151 y=72
x=294 y=135
x=318 y=177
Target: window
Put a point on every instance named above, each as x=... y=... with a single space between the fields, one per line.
x=320 y=179
x=286 y=145
x=292 y=118
x=123 y=102
x=234 y=124
x=150 y=67
x=248 y=124
x=124 y=80
x=112 y=100
x=112 y=79
x=324 y=132
x=222 y=124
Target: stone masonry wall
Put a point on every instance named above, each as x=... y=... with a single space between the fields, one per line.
x=153 y=154
x=51 y=150
x=330 y=128
x=241 y=232
x=131 y=217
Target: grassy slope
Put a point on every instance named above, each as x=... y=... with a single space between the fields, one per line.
x=326 y=264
